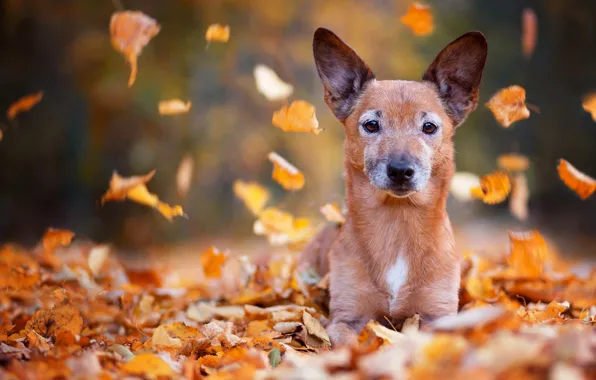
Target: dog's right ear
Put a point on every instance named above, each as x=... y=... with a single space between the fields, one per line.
x=343 y=73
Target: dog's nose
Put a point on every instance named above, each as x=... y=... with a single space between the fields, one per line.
x=400 y=172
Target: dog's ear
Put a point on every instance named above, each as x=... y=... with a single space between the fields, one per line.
x=343 y=73
x=457 y=72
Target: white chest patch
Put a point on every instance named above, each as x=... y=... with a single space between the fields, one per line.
x=397 y=275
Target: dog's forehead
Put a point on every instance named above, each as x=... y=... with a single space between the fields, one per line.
x=400 y=99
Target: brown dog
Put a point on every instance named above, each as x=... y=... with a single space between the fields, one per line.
x=394 y=257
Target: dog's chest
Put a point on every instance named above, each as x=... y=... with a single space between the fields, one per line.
x=396 y=276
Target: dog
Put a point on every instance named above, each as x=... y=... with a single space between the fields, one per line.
x=395 y=254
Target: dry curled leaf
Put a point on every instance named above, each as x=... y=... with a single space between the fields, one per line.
x=513 y=162
x=173 y=107
x=254 y=196
x=577 y=181
x=494 y=188
x=286 y=174
x=184 y=174
x=529 y=33
x=419 y=19
x=270 y=85
x=218 y=33
x=589 y=104
x=299 y=116
x=333 y=214
x=518 y=202
x=131 y=31
x=528 y=254
x=509 y=105
x=134 y=189
x=462 y=184
x=24 y=104
x=48 y=322
x=149 y=366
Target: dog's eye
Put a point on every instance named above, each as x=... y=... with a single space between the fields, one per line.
x=429 y=128
x=371 y=126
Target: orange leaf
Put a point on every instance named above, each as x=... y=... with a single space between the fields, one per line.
x=54 y=238
x=494 y=188
x=419 y=19
x=577 y=181
x=589 y=104
x=281 y=228
x=286 y=174
x=131 y=31
x=252 y=194
x=299 y=116
x=518 y=202
x=509 y=105
x=513 y=162
x=528 y=253
x=23 y=104
x=529 y=31
x=332 y=212
x=174 y=107
x=212 y=260
x=218 y=33
x=134 y=189
x=48 y=322
x=148 y=365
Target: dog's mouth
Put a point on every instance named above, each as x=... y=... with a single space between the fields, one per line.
x=401 y=193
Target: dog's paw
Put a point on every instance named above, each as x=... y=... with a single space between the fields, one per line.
x=341 y=334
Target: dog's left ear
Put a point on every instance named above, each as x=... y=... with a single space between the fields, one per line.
x=457 y=72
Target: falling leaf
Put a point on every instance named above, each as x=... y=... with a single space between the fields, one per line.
x=518 y=202
x=212 y=261
x=589 y=104
x=184 y=174
x=528 y=253
x=270 y=85
x=52 y=239
x=529 y=31
x=299 y=116
x=134 y=189
x=286 y=174
x=24 y=104
x=513 y=162
x=254 y=196
x=174 y=107
x=419 y=19
x=282 y=228
x=494 y=188
x=218 y=33
x=131 y=31
x=333 y=214
x=97 y=258
x=462 y=184
x=48 y=322
x=148 y=365
x=509 y=105
x=577 y=181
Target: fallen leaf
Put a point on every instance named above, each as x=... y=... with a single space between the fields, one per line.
x=173 y=107
x=462 y=184
x=218 y=33
x=274 y=357
x=286 y=174
x=529 y=33
x=509 y=105
x=468 y=319
x=513 y=162
x=332 y=213
x=184 y=174
x=419 y=19
x=270 y=85
x=589 y=104
x=577 y=181
x=299 y=116
x=148 y=365
x=24 y=104
x=97 y=257
x=254 y=196
x=134 y=189
x=314 y=328
x=518 y=202
x=48 y=322
x=411 y=324
x=131 y=31
x=212 y=261
x=528 y=253
x=282 y=228
x=481 y=288
x=494 y=188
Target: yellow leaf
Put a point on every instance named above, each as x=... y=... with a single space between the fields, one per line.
x=286 y=174
x=481 y=288
x=174 y=107
x=577 y=181
x=23 y=104
x=494 y=188
x=513 y=162
x=212 y=260
x=174 y=334
x=131 y=31
x=270 y=85
x=148 y=365
x=252 y=194
x=332 y=212
x=419 y=19
x=528 y=253
x=589 y=104
x=299 y=116
x=281 y=228
x=218 y=33
x=509 y=105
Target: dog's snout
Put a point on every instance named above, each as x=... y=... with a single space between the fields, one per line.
x=400 y=172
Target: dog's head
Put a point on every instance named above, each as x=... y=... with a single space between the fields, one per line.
x=399 y=133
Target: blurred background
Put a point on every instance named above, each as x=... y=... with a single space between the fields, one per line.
x=57 y=159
